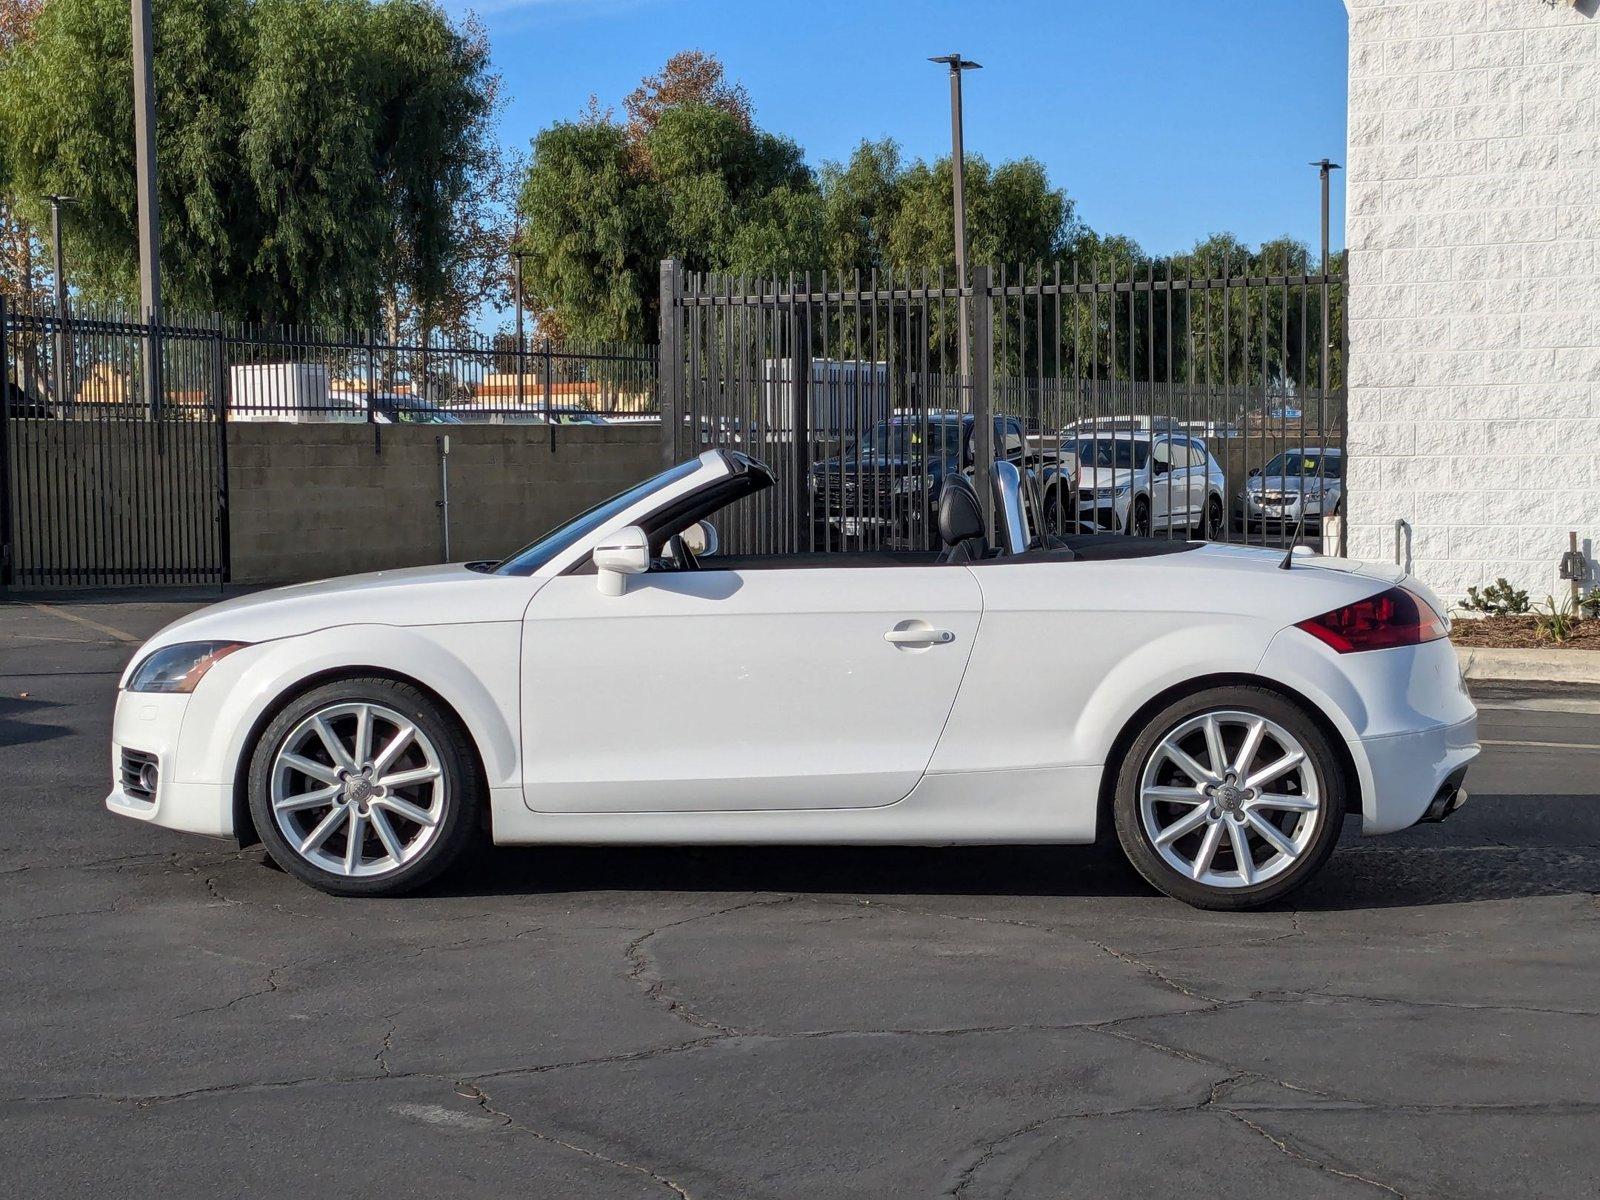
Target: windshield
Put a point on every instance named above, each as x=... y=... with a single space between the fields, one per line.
x=905 y=439
x=1115 y=453
x=529 y=559
x=1294 y=463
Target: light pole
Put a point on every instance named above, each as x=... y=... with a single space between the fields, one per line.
x=1324 y=168
x=958 y=170
x=55 y=239
x=149 y=216
x=517 y=255
x=63 y=366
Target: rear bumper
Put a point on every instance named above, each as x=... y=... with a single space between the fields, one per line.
x=1415 y=776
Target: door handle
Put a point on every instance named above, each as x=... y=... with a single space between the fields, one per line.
x=919 y=637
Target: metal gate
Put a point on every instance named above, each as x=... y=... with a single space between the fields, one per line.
x=1153 y=404
x=112 y=455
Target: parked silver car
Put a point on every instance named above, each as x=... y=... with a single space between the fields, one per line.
x=1133 y=481
x=1305 y=483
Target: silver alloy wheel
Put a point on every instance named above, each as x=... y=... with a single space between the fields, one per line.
x=1205 y=804
x=358 y=790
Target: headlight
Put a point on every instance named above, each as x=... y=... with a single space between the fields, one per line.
x=1119 y=490
x=179 y=668
x=910 y=484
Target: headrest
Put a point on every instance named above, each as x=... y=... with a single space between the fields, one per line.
x=960 y=514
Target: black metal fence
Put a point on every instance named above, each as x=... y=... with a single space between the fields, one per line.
x=114 y=431
x=1147 y=404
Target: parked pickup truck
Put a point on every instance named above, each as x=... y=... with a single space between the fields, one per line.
x=885 y=488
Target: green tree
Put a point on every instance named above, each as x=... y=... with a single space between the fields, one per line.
x=313 y=154
x=22 y=251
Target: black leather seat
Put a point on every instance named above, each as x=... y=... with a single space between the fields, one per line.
x=961 y=525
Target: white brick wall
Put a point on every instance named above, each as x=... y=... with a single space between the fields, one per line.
x=1474 y=232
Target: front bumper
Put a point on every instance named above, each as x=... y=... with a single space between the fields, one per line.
x=152 y=724
x=1290 y=511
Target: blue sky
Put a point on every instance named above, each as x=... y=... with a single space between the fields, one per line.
x=1165 y=122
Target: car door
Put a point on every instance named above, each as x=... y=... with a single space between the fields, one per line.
x=741 y=688
x=1166 y=483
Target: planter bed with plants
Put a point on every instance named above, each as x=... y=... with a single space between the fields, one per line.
x=1522 y=633
x=1501 y=617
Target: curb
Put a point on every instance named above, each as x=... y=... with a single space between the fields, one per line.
x=1532 y=666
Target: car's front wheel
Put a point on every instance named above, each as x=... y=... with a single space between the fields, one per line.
x=364 y=787
x=1229 y=798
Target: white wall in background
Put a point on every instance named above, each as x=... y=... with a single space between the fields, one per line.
x=1474 y=308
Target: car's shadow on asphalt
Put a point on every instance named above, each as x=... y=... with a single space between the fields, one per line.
x=19 y=724
x=1469 y=859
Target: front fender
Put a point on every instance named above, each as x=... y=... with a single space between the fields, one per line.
x=471 y=667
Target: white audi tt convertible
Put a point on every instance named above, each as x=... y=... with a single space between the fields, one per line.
x=1222 y=708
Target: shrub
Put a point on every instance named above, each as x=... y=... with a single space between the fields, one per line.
x=1499 y=599
x=1556 y=619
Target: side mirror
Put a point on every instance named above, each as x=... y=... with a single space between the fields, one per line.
x=701 y=539
x=1161 y=466
x=623 y=553
x=1254 y=472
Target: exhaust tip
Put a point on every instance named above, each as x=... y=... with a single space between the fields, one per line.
x=1450 y=796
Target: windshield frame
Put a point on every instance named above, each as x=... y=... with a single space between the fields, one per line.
x=552 y=552
x=1138 y=456
x=892 y=439
x=1328 y=466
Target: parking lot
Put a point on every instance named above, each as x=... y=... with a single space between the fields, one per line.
x=1032 y=1022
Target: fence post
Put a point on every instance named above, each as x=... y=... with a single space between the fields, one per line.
x=669 y=360
x=5 y=450
x=547 y=385
x=800 y=399
x=982 y=383
x=220 y=385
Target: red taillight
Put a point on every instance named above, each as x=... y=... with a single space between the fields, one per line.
x=1393 y=618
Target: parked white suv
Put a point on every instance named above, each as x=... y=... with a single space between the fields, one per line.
x=1133 y=481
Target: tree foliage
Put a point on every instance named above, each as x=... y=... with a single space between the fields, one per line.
x=691 y=175
x=22 y=252
x=314 y=156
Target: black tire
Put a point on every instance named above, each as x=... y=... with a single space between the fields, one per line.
x=458 y=798
x=1060 y=513
x=1212 y=529
x=1319 y=840
x=1139 y=518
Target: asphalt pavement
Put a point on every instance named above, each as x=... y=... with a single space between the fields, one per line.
x=180 y=1020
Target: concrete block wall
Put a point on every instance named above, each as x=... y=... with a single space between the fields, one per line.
x=1473 y=198
x=317 y=500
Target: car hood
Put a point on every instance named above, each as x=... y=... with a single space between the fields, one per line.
x=883 y=464
x=450 y=594
x=1101 y=478
x=1291 y=483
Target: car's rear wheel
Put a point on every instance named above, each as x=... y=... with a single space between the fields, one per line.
x=1229 y=798
x=364 y=787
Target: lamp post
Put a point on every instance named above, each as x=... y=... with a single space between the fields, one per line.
x=149 y=216
x=1324 y=168
x=63 y=366
x=958 y=170
x=517 y=255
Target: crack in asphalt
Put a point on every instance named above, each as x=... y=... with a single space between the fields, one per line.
x=1300 y=1156
x=382 y=1056
x=1151 y=971
x=643 y=971
x=476 y=1093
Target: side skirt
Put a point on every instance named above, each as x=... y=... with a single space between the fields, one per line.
x=1035 y=805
